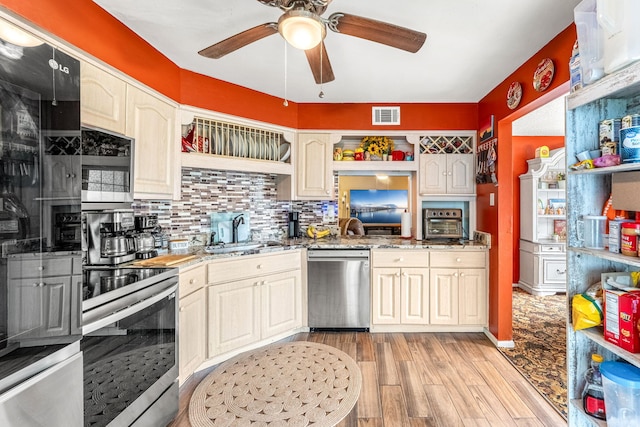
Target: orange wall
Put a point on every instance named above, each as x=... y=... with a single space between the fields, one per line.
x=499 y=219
x=524 y=148
x=463 y=116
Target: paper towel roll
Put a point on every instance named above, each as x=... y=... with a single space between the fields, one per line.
x=405 y=224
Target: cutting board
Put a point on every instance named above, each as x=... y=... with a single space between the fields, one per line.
x=164 y=260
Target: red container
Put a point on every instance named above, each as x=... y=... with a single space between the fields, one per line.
x=397 y=155
x=621 y=316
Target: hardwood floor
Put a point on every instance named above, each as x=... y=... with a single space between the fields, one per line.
x=420 y=380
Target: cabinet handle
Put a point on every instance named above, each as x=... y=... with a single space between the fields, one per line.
x=192 y=281
x=461 y=274
x=560 y=271
x=68 y=175
x=398 y=274
x=400 y=260
x=41 y=268
x=444 y=173
x=181 y=309
x=35 y=285
x=259 y=267
x=326 y=191
x=458 y=259
x=455 y=274
x=449 y=174
x=404 y=274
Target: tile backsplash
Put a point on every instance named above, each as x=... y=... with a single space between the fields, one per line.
x=209 y=191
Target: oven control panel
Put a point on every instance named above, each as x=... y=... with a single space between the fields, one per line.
x=443 y=213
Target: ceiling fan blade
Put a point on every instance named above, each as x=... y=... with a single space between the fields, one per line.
x=317 y=56
x=239 y=40
x=377 y=31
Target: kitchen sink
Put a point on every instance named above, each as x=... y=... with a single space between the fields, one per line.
x=238 y=247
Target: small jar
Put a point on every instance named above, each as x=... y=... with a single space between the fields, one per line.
x=629 y=238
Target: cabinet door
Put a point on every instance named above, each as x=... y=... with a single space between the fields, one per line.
x=314 y=176
x=151 y=121
x=472 y=285
x=460 y=178
x=192 y=336
x=39 y=308
x=281 y=303
x=443 y=296
x=386 y=296
x=233 y=316
x=415 y=296
x=62 y=177
x=433 y=173
x=102 y=99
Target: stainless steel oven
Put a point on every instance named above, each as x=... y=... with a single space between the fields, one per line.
x=129 y=345
x=442 y=223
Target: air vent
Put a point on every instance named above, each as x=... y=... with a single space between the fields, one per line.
x=386 y=115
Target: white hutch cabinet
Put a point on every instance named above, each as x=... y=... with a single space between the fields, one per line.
x=542 y=219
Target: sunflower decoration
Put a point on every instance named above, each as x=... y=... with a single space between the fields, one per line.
x=377 y=145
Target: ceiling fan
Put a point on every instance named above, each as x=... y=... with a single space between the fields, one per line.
x=303 y=27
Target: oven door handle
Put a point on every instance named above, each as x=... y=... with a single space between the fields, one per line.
x=121 y=314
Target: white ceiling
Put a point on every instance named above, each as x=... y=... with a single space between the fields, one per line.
x=472 y=46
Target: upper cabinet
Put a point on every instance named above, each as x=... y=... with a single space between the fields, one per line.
x=152 y=123
x=314 y=174
x=103 y=99
x=447 y=164
x=111 y=103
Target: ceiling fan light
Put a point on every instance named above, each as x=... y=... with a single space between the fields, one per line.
x=301 y=29
x=17 y=36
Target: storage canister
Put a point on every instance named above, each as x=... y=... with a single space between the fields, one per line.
x=621 y=384
x=629 y=238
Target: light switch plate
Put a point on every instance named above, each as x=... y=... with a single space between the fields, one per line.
x=492 y=199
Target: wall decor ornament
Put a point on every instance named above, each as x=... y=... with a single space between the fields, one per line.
x=514 y=95
x=543 y=76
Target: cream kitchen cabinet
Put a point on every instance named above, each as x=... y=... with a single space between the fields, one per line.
x=442 y=174
x=252 y=299
x=458 y=288
x=103 y=99
x=62 y=177
x=40 y=294
x=192 y=320
x=314 y=170
x=400 y=287
x=114 y=104
x=152 y=123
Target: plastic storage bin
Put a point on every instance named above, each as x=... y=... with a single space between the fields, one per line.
x=590 y=41
x=621 y=384
x=619 y=22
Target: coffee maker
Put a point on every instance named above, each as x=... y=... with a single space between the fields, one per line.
x=108 y=237
x=294 y=225
x=144 y=239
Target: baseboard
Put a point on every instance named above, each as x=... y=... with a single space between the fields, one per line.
x=494 y=340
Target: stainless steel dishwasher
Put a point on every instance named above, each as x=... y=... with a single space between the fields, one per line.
x=339 y=289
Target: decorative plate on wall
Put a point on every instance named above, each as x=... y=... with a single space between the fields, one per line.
x=543 y=75
x=514 y=95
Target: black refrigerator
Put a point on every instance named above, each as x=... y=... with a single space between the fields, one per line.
x=39 y=312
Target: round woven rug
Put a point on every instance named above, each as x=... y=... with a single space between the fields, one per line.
x=293 y=384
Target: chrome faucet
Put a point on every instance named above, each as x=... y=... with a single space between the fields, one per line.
x=235 y=224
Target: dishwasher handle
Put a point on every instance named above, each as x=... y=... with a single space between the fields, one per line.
x=338 y=255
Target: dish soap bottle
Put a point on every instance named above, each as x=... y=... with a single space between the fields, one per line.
x=593 y=394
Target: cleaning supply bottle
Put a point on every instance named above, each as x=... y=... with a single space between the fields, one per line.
x=593 y=394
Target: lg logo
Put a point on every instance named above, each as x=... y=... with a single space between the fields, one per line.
x=54 y=65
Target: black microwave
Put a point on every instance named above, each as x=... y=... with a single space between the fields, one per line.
x=107 y=167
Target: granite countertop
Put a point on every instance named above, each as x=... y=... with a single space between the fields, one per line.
x=342 y=242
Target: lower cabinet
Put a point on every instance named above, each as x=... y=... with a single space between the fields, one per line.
x=458 y=296
x=543 y=268
x=400 y=296
x=39 y=296
x=459 y=293
x=422 y=290
x=192 y=321
x=256 y=301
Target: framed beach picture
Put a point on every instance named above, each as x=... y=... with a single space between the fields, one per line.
x=486 y=129
x=560 y=227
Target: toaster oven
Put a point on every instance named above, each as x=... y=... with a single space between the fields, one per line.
x=442 y=223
